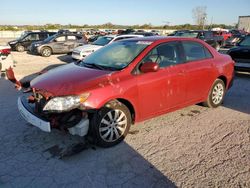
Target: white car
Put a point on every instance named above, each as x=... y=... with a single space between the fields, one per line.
x=6 y=60
x=81 y=52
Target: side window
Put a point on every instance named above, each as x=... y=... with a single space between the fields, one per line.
x=165 y=55
x=32 y=37
x=60 y=39
x=71 y=37
x=208 y=54
x=195 y=51
x=43 y=36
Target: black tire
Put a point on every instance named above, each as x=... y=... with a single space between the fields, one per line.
x=216 y=94
x=46 y=51
x=99 y=129
x=20 y=48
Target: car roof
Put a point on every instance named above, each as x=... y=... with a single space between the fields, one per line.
x=162 y=39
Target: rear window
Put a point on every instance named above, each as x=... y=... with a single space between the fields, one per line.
x=71 y=37
x=195 y=51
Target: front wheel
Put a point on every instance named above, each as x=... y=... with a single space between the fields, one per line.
x=110 y=125
x=20 y=48
x=46 y=52
x=216 y=94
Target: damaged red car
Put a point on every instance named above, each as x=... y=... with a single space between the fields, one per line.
x=127 y=82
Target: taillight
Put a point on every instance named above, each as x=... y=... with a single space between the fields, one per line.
x=5 y=51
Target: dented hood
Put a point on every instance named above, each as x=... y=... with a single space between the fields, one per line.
x=69 y=79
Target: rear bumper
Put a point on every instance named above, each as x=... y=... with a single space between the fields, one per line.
x=30 y=116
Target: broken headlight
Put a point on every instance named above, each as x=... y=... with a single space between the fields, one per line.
x=67 y=103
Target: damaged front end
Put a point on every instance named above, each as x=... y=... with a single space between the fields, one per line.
x=44 y=111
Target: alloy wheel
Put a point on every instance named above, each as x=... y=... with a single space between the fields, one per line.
x=217 y=93
x=113 y=125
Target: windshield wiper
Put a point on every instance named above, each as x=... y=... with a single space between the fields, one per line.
x=91 y=65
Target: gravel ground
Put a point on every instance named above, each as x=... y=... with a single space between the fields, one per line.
x=191 y=147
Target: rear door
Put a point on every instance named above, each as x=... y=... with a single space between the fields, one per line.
x=199 y=70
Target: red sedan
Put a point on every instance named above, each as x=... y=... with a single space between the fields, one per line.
x=127 y=82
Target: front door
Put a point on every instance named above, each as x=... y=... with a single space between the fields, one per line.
x=164 y=89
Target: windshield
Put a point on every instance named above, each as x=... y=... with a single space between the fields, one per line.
x=245 y=42
x=102 y=41
x=23 y=35
x=115 y=56
x=187 y=34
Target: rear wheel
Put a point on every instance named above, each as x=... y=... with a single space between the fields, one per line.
x=20 y=48
x=46 y=52
x=216 y=94
x=110 y=125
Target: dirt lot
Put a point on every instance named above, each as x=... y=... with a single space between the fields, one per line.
x=192 y=147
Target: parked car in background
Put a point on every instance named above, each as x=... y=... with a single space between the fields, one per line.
x=224 y=34
x=207 y=36
x=232 y=41
x=177 y=31
x=241 y=54
x=93 y=38
x=145 y=34
x=127 y=82
x=155 y=32
x=126 y=31
x=6 y=60
x=24 y=41
x=58 y=44
x=236 y=32
x=81 y=52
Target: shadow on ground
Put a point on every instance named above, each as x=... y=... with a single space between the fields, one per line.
x=30 y=157
x=66 y=58
x=238 y=97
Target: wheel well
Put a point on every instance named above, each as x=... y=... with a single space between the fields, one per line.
x=129 y=106
x=224 y=79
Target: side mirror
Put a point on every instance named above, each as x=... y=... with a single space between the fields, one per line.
x=149 y=67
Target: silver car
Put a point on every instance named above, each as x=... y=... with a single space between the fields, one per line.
x=58 y=44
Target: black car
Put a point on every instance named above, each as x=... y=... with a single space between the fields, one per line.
x=233 y=41
x=58 y=44
x=241 y=54
x=24 y=41
x=207 y=36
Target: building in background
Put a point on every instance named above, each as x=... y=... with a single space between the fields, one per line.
x=244 y=23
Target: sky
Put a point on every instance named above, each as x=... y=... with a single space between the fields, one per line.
x=127 y=12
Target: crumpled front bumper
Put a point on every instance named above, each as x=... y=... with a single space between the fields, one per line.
x=30 y=116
